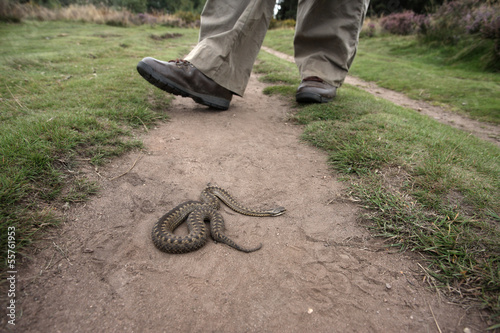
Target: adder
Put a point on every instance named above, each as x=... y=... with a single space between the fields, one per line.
x=195 y=213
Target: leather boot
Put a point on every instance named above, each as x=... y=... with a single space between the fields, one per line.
x=180 y=77
x=314 y=90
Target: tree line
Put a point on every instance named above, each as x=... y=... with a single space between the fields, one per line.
x=286 y=9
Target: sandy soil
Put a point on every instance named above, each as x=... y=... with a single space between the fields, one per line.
x=319 y=269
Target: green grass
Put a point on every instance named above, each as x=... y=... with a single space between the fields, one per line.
x=445 y=76
x=70 y=94
x=427 y=186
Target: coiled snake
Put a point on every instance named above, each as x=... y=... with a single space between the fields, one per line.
x=196 y=213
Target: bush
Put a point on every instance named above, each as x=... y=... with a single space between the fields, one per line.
x=404 y=23
x=469 y=23
x=277 y=24
x=147 y=19
x=472 y=26
x=188 y=17
x=368 y=30
x=456 y=19
x=9 y=12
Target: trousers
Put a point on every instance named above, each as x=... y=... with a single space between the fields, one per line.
x=232 y=31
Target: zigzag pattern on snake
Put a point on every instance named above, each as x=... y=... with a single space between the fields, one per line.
x=196 y=213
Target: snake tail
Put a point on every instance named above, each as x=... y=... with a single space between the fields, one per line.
x=216 y=230
x=221 y=238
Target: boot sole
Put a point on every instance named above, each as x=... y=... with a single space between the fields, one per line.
x=167 y=85
x=307 y=97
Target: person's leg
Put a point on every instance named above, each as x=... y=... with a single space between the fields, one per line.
x=231 y=35
x=219 y=66
x=180 y=77
x=325 y=43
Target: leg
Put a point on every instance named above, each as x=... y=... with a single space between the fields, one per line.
x=231 y=35
x=326 y=39
x=219 y=66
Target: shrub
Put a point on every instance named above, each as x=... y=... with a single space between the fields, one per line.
x=188 y=17
x=404 y=23
x=470 y=23
x=447 y=25
x=456 y=19
x=147 y=19
x=369 y=29
x=279 y=24
x=9 y=12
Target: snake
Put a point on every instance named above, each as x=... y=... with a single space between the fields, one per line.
x=196 y=213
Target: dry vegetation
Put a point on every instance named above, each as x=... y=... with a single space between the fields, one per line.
x=15 y=12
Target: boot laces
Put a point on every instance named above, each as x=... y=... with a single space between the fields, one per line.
x=181 y=62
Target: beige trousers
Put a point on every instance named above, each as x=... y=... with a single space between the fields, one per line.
x=232 y=32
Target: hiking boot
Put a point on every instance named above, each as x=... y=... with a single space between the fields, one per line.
x=180 y=77
x=313 y=89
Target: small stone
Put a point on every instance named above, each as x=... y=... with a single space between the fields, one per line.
x=310 y=310
x=388 y=286
x=467 y=330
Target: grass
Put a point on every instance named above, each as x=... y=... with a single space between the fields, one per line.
x=426 y=186
x=440 y=75
x=70 y=94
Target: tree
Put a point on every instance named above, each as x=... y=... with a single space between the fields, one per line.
x=287 y=9
x=379 y=7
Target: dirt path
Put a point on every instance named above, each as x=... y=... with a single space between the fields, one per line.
x=318 y=270
x=485 y=131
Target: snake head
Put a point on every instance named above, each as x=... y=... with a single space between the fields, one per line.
x=278 y=211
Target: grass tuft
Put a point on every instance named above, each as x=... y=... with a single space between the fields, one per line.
x=70 y=94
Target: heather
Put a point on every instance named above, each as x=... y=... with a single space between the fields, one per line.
x=471 y=26
x=404 y=23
